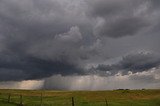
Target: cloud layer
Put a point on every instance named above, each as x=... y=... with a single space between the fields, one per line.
x=40 y=39
x=132 y=63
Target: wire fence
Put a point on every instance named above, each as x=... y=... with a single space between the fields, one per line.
x=42 y=100
x=23 y=100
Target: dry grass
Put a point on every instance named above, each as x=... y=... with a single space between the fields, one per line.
x=82 y=98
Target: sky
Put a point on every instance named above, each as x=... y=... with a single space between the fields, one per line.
x=80 y=44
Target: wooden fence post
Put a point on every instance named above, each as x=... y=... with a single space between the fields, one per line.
x=106 y=102
x=21 y=101
x=72 y=101
x=41 y=99
x=9 y=97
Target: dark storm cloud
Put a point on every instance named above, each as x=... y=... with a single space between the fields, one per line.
x=123 y=27
x=39 y=39
x=32 y=19
x=22 y=60
x=16 y=67
x=155 y=3
x=119 y=17
x=42 y=38
x=134 y=62
x=104 y=7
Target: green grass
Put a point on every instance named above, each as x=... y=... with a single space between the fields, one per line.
x=81 y=98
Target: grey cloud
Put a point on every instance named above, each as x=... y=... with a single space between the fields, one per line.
x=122 y=27
x=134 y=62
x=43 y=38
x=104 y=7
x=16 y=67
x=144 y=78
x=151 y=76
x=40 y=38
x=155 y=3
x=119 y=17
x=112 y=8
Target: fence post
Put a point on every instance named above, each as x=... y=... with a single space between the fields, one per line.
x=21 y=102
x=41 y=99
x=72 y=101
x=106 y=102
x=9 y=97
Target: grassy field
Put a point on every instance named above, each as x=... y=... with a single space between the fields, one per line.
x=81 y=98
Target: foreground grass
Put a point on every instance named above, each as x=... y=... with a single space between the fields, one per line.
x=81 y=98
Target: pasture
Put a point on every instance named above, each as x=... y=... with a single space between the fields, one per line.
x=79 y=98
